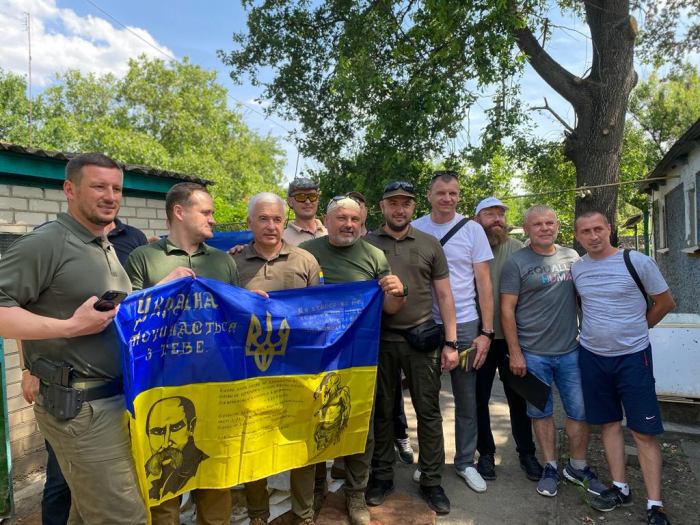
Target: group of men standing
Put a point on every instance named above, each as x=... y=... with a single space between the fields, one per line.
x=499 y=305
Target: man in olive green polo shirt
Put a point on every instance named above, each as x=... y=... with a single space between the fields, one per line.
x=190 y=211
x=50 y=280
x=344 y=257
x=269 y=263
x=419 y=261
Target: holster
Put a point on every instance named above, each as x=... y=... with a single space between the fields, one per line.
x=61 y=402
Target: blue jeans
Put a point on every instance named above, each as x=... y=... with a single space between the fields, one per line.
x=464 y=391
x=565 y=372
x=55 y=502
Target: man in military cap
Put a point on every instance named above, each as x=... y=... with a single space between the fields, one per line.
x=302 y=197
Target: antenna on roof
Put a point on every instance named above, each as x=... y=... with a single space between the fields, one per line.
x=28 y=29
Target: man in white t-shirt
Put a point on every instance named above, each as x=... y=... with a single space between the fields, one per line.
x=468 y=254
x=615 y=360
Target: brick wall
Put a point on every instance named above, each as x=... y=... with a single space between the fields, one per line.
x=26 y=442
x=23 y=208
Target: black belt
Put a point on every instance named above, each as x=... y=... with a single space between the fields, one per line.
x=100 y=391
x=109 y=389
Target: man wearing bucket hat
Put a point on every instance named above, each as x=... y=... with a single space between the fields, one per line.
x=491 y=214
x=344 y=257
x=420 y=262
x=302 y=197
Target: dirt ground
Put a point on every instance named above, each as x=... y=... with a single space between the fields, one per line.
x=681 y=489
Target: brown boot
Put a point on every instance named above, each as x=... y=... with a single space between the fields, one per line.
x=357 y=508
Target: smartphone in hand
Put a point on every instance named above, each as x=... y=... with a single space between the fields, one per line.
x=110 y=300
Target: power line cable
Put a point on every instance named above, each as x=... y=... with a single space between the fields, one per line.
x=584 y=188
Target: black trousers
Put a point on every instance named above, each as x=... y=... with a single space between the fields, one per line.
x=520 y=424
x=400 y=423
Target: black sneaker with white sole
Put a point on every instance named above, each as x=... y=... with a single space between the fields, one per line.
x=611 y=499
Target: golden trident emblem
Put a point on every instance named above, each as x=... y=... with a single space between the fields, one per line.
x=265 y=351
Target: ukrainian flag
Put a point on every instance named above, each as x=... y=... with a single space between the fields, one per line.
x=224 y=386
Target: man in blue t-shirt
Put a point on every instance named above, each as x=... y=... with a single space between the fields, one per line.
x=615 y=360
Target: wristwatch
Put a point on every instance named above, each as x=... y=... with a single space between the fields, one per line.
x=452 y=344
x=488 y=333
x=405 y=290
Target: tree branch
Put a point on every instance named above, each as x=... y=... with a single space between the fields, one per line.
x=558 y=78
x=547 y=107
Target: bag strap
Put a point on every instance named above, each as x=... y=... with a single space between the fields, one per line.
x=633 y=273
x=454 y=230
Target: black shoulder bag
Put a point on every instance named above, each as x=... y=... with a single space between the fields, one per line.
x=635 y=276
x=428 y=336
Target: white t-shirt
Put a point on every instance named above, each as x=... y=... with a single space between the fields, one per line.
x=614 y=320
x=466 y=247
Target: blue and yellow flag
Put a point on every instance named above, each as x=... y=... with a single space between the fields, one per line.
x=224 y=386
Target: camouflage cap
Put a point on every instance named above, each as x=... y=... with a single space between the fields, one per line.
x=302 y=183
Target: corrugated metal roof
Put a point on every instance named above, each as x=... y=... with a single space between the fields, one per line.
x=678 y=153
x=134 y=168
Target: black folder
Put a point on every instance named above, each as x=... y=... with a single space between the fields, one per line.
x=531 y=388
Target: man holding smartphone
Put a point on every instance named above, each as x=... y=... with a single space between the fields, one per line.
x=183 y=253
x=50 y=280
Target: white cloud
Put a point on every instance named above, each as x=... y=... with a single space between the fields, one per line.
x=62 y=40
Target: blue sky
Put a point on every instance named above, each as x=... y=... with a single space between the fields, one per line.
x=75 y=34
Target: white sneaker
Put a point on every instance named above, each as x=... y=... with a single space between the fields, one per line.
x=416 y=476
x=473 y=479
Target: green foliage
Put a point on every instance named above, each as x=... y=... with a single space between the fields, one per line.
x=381 y=89
x=383 y=78
x=14 y=104
x=670 y=32
x=172 y=116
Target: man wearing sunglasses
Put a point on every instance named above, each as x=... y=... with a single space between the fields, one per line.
x=420 y=262
x=302 y=197
x=344 y=258
x=468 y=254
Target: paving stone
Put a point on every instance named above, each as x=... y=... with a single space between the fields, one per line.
x=399 y=509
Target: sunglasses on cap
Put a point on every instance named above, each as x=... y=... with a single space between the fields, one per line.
x=301 y=197
x=346 y=196
x=400 y=185
x=444 y=173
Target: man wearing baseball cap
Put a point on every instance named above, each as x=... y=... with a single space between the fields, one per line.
x=302 y=197
x=344 y=258
x=491 y=214
x=419 y=261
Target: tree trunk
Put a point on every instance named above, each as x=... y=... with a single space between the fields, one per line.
x=600 y=101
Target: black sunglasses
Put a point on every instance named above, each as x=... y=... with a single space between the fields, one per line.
x=399 y=184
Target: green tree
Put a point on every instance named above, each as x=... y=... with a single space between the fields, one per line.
x=398 y=78
x=172 y=116
x=14 y=125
